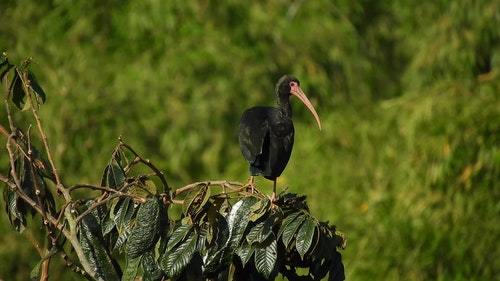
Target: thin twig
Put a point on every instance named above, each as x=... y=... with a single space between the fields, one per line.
x=148 y=163
x=208 y=183
x=106 y=200
x=59 y=185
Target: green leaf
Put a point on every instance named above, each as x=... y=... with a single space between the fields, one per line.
x=150 y=267
x=174 y=262
x=265 y=259
x=254 y=232
x=131 y=268
x=305 y=236
x=245 y=252
x=115 y=177
x=16 y=218
x=144 y=188
x=291 y=228
x=195 y=199
x=267 y=228
x=35 y=86
x=17 y=89
x=7 y=69
x=237 y=220
x=145 y=233
x=34 y=275
x=259 y=209
x=122 y=213
x=94 y=249
x=178 y=235
x=291 y=217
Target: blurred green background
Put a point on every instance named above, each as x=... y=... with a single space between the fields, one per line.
x=407 y=163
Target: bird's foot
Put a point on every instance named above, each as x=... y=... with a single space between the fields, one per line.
x=273 y=197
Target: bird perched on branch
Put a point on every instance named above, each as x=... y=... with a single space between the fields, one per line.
x=266 y=133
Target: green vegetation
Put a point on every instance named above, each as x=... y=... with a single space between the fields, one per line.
x=407 y=164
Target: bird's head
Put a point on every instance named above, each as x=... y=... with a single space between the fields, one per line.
x=290 y=85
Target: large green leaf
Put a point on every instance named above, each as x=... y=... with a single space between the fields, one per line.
x=130 y=271
x=261 y=231
x=237 y=221
x=245 y=252
x=291 y=217
x=254 y=232
x=175 y=261
x=145 y=232
x=291 y=228
x=122 y=213
x=115 y=176
x=259 y=209
x=178 y=235
x=151 y=268
x=265 y=258
x=305 y=236
x=94 y=249
x=16 y=216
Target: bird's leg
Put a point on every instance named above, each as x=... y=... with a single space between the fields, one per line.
x=252 y=183
x=273 y=197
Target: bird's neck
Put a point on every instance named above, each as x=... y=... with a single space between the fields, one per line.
x=285 y=107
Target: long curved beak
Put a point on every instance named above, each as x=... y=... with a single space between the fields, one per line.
x=297 y=91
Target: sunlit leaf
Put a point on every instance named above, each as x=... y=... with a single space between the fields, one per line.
x=291 y=228
x=259 y=209
x=178 y=235
x=175 y=261
x=305 y=236
x=291 y=217
x=245 y=252
x=237 y=221
x=265 y=259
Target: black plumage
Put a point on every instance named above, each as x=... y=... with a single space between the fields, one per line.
x=266 y=133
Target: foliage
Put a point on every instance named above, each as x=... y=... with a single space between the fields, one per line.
x=233 y=235
x=407 y=92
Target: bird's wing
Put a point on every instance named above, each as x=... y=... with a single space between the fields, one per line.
x=253 y=131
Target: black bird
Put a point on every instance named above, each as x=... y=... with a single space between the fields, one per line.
x=266 y=133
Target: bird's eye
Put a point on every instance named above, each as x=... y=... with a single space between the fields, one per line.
x=292 y=84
